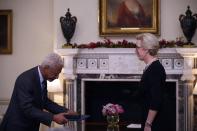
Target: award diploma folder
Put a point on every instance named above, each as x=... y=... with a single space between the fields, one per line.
x=76 y=117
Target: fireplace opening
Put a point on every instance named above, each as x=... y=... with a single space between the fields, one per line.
x=100 y=92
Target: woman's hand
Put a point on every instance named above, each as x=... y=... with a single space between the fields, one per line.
x=147 y=128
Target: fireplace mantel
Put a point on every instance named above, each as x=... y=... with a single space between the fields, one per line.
x=124 y=61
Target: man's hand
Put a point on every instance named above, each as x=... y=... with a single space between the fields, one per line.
x=59 y=118
x=69 y=112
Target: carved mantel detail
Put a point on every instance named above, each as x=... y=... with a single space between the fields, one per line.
x=189 y=55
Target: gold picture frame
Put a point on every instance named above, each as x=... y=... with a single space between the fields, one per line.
x=116 y=17
x=5 y=31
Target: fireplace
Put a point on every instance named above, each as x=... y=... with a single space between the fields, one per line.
x=99 y=92
x=84 y=68
x=94 y=93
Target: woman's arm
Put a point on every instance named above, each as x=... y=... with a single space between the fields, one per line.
x=150 y=119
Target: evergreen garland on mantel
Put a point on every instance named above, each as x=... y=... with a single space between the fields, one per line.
x=107 y=43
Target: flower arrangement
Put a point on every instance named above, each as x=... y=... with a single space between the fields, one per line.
x=112 y=109
x=107 y=43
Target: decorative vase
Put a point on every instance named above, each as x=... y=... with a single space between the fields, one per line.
x=68 y=25
x=188 y=24
x=112 y=120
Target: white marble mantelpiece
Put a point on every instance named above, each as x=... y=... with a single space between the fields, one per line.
x=124 y=61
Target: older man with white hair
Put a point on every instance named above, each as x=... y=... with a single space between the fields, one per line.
x=29 y=105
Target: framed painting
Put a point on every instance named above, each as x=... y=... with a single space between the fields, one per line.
x=5 y=31
x=120 y=17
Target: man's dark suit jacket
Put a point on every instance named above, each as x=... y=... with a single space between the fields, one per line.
x=25 y=111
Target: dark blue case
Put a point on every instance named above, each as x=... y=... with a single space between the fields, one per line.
x=76 y=117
